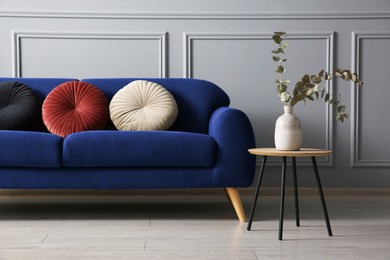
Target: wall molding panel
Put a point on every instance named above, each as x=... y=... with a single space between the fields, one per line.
x=18 y=36
x=357 y=61
x=189 y=38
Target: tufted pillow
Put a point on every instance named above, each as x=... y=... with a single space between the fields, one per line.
x=18 y=106
x=75 y=106
x=143 y=105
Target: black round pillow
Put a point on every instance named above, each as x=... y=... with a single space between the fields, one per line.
x=18 y=106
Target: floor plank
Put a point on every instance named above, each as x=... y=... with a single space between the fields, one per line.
x=190 y=227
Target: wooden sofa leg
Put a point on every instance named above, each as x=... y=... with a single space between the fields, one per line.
x=235 y=199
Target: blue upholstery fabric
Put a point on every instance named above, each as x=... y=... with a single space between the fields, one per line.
x=196 y=99
x=30 y=149
x=105 y=178
x=138 y=149
x=233 y=132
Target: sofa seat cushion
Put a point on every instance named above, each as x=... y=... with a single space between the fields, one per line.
x=30 y=149
x=138 y=149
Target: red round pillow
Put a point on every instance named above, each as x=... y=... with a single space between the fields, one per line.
x=75 y=106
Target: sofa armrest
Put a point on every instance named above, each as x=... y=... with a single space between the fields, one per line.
x=233 y=133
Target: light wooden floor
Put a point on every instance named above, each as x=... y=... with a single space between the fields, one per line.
x=189 y=227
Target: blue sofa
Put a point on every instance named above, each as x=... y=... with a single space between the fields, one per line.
x=205 y=148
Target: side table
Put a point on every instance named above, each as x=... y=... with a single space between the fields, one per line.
x=303 y=152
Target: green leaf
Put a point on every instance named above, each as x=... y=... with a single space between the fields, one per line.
x=354 y=77
x=278 y=50
x=308 y=91
x=279 y=69
x=278 y=59
x=281 y=88
x=327 y=96
x=341 y=109
x=321 y=73
x=277 y=39
x=293 y=101
x=285 y=97
x=309 y=85
x=305 y=79
x=301 y=96
x=297 y=98
x=282 y=81
x=340 y=118
x=346 y=75
x=299 y=85
x=284 y=45
x=337 y=74
x=316 y=80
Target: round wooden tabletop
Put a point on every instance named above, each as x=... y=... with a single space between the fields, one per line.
x=303 y=152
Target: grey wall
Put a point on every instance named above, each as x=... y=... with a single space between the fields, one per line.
x=227 y=42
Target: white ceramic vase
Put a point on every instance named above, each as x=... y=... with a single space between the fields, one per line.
x=288 y=131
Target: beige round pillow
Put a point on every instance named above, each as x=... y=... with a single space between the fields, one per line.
x=143 y=105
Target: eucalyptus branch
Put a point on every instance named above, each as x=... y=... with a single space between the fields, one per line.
x=308 y=88
x=278 y=57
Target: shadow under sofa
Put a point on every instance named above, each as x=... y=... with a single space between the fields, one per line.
x=206 y=147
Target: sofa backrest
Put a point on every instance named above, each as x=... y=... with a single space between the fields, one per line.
x=196 y=99
x=41 y=86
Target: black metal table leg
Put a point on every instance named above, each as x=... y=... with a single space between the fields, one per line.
x=257 y=193
x=321 y=195
x=283 y=185
x=294 y=166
